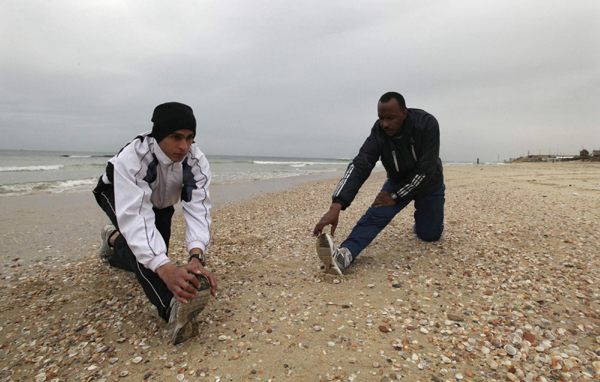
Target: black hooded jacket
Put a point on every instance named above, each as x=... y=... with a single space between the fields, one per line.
x=411 y=158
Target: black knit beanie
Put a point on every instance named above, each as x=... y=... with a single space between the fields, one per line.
x=170 y=117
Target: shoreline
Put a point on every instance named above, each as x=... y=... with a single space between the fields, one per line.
x=42 y=229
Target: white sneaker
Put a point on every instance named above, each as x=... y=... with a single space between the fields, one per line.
x=183 y=323
x=106 y=251
x=336 y=260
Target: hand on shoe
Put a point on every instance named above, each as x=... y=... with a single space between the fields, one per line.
x=195 y=266
x=331 y=217
x=179 y=280
x=383 y=199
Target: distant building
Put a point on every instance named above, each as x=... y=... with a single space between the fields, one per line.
x=596 y=153
x=584 y=153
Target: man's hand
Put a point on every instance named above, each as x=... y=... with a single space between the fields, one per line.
x=331 y=217
x=383 y=199
x=182 y=283
x=195 y=266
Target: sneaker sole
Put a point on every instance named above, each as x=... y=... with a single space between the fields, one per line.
x=105 y=252
x=187 y=313
x=325 y=253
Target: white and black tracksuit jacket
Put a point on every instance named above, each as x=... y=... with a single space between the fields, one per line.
x=411 y=158
x=144 y=178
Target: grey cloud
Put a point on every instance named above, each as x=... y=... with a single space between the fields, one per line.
x=301 y=78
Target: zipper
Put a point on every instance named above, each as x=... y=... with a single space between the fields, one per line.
x=412 y=147
x=395 y=160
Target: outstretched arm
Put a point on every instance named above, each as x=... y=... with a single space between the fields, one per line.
x=330 y=217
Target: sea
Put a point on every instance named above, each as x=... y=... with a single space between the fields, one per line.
x=32 y=172
x=25 y=172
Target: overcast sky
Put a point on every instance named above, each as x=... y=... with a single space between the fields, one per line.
x=302 y=78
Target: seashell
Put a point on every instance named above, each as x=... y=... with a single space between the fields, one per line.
x=510 y=349
x=136 y=360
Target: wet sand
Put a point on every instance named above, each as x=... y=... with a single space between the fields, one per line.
x=50 y=229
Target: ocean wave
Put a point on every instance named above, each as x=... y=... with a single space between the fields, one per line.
x=241 y=177
x=213 y=161
x=87 y=156
x=53 y=187
x=297 y=164
x=32 y=168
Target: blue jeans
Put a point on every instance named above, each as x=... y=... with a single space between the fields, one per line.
x=429 y=219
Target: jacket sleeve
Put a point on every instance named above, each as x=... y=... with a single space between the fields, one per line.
x=134 y=209
x=195 y=200
x=358 y=171
x=428 y=154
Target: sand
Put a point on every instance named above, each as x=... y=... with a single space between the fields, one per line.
x=510 y=292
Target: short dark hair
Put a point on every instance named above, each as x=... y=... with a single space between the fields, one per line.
x=387 y=97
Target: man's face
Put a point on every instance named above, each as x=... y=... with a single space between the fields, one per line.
x=177 y=144
x=391 y=117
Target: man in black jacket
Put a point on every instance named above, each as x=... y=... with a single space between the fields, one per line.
x=408 y=143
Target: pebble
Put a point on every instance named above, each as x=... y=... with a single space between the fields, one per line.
x=455 y=317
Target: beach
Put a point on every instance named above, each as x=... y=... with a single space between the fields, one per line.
x=510 y=292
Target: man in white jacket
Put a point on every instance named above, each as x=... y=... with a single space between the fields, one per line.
x=137 y=192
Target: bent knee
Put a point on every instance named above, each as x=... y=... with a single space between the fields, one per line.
x=429 y=235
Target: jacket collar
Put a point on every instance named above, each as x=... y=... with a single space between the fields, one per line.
x=161 y=156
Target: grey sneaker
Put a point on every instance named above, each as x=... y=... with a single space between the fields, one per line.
x=183 y=323
x=336 y=260
x=106 y=251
